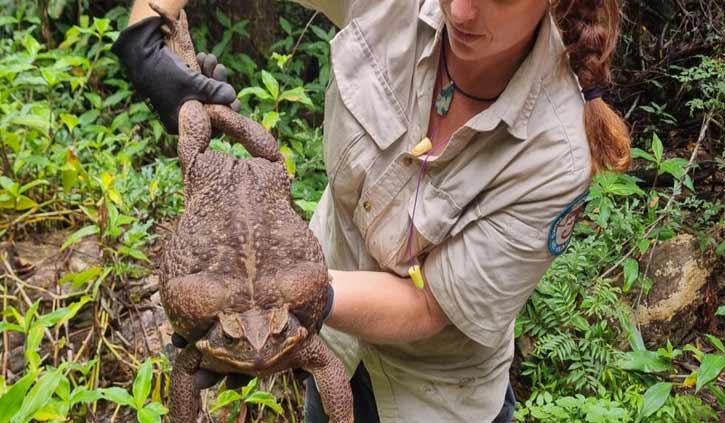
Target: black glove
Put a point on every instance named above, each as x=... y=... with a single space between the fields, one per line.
x=163 y=77
x=204 y=379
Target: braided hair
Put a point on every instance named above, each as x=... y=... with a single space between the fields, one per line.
x=590 y=29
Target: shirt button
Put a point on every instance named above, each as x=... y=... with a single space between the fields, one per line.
x=407 y=161
x=367 y=205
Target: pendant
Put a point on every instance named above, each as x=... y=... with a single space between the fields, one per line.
x=445 y=97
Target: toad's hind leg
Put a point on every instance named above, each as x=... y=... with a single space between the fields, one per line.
x=330 y=378
x=257 y=140
x=184 y=395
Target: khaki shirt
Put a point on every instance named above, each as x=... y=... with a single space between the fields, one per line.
x=491 y=207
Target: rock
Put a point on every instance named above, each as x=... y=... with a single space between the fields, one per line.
x=49 y=263
x=680 y=273
x=148 y=330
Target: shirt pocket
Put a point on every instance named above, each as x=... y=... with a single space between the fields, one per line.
x=362 y=115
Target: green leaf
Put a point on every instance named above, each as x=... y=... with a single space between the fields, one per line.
x=101 y=25
x=226 y=398
x=32 y=343
x=83 y=395
x=675 y=167
x=118 y=395
x=280 y=60
x=76 y=236
x=655 y=398
x=720 y=311
x=142 y=384
x=32 y=185
x=24 y=203
x=10 y=327
x=158 y=408
x=54 y=410
x=223 y=19
x=132 y=252
x=148 y=415
x=720 y=251
x=271 y=84
x=710 y=368
x=641 y=154
x=289 y=159
x=266 y=399
x=251 y=387
x=63 y=389
x=257 y=91
x=116 y=98
x=70 y=121
x=38 y=122
x=631 y=273
x=62 y=315
x=270 y=120
x=717 y=343
x=38 y=396
x=643 y=245
x=296 y=95
x=624 y=189
x=94 y=99
x=657 y=147
x=9 y=186
x=78 y=279
x=308 y=206
x=644 y=361
x=12 y=400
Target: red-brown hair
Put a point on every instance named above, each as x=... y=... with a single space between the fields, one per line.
x=590 y=29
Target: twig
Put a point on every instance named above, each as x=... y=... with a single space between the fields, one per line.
x=678 y=184
x=304 y=31
x=6 y=337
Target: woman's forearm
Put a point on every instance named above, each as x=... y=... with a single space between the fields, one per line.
x=141 y=9
x=380 y=307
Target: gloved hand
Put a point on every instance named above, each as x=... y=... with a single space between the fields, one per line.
x=163 y=77
x=204 y=379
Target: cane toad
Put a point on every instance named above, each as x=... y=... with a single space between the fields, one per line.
x=243 y=279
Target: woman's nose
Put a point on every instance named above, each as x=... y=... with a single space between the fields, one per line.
x=463 y=11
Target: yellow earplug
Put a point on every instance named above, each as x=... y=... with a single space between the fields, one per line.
x=422 y=147
x=416 y=275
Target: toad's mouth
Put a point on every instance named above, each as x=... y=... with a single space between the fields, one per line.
x=250 y=361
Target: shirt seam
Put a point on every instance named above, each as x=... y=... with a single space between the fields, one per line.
x=572 y=162
x=379 y=73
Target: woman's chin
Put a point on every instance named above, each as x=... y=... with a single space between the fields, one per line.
x=468 y=52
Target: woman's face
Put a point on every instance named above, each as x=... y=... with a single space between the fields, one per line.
x=480 y=29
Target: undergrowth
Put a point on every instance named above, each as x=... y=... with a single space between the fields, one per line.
x=81 y=153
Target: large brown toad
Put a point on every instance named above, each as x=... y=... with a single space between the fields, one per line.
x=243 y=279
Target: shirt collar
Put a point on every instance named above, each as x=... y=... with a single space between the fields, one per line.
x=431 y=14
x=517 y=101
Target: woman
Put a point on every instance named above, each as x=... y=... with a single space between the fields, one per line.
x=459 y=145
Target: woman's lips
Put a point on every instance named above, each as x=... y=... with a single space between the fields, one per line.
x=462 y=36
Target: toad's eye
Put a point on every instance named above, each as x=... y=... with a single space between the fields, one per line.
x=228 y=340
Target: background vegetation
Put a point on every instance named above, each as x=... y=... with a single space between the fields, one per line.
x=90 y=185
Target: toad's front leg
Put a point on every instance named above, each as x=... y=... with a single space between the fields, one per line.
x=184 y=395
x=330 y=378
x=194 y=133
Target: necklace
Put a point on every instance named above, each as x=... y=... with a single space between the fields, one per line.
x=445 y=96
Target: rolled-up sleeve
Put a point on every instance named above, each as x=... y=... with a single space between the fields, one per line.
x=338 y=11
x=483 y=276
